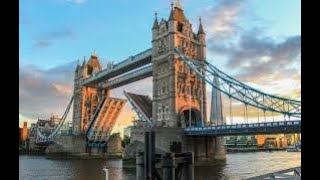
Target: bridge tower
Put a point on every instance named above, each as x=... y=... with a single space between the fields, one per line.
x=85 y=98
x=178 y=95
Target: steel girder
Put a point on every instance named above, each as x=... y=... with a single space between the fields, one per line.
x=139 y=112
x=242 y=92
x=106 y=114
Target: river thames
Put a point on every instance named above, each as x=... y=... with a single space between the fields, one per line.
x=237 y=166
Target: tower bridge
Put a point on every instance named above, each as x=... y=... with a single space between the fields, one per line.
x=178 y=64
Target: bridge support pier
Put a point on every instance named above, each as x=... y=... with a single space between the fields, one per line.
x=206 y=149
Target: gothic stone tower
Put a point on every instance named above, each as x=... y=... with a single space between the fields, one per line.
x=178 y=94
x=85 y=98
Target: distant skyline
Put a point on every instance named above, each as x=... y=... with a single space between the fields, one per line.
x=257 y=42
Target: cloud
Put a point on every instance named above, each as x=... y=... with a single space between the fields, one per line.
x=77 y=1
x=261 y=59
x=42 y=44
x=47 y=39
x=221 y=19
x=45 y=92
x=251 y=56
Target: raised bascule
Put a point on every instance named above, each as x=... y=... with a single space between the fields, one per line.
x=177 y=110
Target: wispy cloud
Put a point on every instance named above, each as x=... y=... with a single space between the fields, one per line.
x=221 y=19
x=77 y=1
x=249 y=54
x=47 y=39
x=42 y=44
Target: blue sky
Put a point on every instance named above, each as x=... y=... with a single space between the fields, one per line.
x=256 y=41
x=116 y=29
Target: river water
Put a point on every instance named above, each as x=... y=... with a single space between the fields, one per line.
x=237 y=166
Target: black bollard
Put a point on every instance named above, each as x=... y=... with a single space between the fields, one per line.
x=168 y=170
x=140 y=165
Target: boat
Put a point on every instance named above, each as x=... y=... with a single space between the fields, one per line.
x=293 y=149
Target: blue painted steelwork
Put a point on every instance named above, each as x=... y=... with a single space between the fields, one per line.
x=246 y=129
x=241 y=92
x=43 y=138
x=95 y=117
x=94 y=144
x=120 y=66
x=140 y=113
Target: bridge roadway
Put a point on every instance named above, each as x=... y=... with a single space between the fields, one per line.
x=246 y=129
x=133 y=62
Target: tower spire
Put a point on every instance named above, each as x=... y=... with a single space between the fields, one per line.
x=94 y=53
x=177 y=4
x=155 y=24
x=200 y=31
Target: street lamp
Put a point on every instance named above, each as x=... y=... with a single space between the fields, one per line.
x=107 y=173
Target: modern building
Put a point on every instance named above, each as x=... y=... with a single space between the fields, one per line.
x=47 y=126
x=277 y=140
x=127 y=131
x=66 y=128
x=240 y=141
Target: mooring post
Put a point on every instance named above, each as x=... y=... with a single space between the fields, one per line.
x=168 y=167
x=140 y=165
x=189 y=166
x=146 y=156
x=151 y=154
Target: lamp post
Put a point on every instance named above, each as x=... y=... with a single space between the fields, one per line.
x=107 y=173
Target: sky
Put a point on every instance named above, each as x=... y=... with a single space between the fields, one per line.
x=257 y=42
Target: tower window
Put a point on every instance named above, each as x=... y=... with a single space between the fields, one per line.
x=180 y=27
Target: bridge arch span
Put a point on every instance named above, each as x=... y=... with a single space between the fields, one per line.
x=184 y=117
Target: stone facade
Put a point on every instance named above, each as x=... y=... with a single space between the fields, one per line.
x=86 y=99
x=176 y=90
x=67 y=144
x=114 y=144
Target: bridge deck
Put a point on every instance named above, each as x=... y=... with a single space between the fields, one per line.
x=246 y=129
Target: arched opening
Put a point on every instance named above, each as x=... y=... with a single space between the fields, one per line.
x=188 y=115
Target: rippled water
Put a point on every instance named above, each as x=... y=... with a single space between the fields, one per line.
x=237 y=166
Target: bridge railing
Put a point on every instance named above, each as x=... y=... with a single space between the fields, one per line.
x=255 y=125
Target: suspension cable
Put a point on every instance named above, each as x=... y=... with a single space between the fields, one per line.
x=202 y=96
x=244 y=114
x=247 y=113
x=272 y=116
x=258 y=114
x=230 y=110
x=189 y=97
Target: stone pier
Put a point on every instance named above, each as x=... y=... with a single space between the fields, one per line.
x=206 y=149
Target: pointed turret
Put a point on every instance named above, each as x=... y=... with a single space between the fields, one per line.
x=177 y=12
x=155 y=24
x=77 y=68
x=200 y=31
x=84 y=62
x=171 y=12
x=93 y=61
